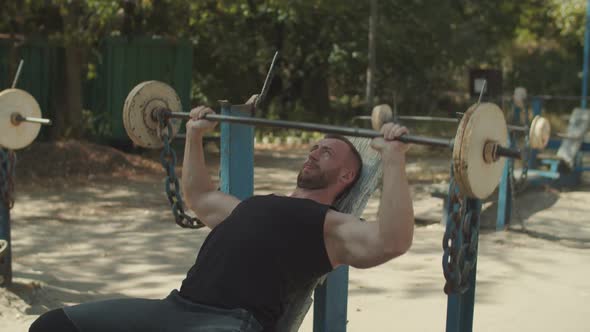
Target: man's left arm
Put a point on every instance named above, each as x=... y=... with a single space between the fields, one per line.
x=367 y=244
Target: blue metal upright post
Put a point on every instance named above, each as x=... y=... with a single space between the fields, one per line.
x=7 y=162
x=330 y=302
x=586 y=55
x=505 y=193
x=6 y=256
x=460 y=307
x=237 y=155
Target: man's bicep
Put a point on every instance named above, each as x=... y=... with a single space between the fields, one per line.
x=357 y=243
x=214 y=207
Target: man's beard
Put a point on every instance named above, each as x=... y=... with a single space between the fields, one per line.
x=316 y=180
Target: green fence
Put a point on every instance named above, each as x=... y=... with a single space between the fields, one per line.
x=122 y=63
x=39 y=70
x=128 y=62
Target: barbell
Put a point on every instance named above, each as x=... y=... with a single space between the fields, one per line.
x=478 y=147
x=20 y=119
x=539 y=130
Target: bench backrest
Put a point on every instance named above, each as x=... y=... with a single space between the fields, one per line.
x=577 y=127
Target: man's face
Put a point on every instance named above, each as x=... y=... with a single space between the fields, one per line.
x=324 y=164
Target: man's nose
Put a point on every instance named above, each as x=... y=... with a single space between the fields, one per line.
x=313 y=155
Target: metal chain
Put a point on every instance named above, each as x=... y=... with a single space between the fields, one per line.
x=520 y=184
x=172 y=185
x=527 y=155
x=7 y=164
x=460 y=242
x=452 y=239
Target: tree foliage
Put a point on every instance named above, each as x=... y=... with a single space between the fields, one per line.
x=424 y=48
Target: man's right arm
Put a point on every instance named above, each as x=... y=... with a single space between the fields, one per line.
x=200 y=194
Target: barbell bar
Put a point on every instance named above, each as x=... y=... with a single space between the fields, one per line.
x=510 y=127
x=539 y=130
x=307 y=126
x=477 y=148
x=20 y=119
x=452 y=120
x=414 y=118
x=437 y=119
x=17 y=118
x=330 y=129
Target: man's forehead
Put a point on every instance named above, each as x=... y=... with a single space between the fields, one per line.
x=332 y=143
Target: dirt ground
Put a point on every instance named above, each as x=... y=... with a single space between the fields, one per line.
x=92 y=223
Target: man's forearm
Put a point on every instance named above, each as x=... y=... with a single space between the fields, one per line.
x=195 y=176
x=396 y=214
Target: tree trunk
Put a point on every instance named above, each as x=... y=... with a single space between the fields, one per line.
x=73 y=92
x=71 y=105
x=371 y=67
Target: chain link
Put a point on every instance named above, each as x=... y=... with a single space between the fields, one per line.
x=460 y=241
x=520 y=184
x=172 y=185
x=7 y=164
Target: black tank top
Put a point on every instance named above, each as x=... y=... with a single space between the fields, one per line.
x=267 y=248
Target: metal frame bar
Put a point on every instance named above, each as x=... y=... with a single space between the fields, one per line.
x=331 y=302
x=460 y=307
x=505 y=194
x=237 y=155
x=583 y=102
x=17 y=118
x=553 y=175
x=6 y=172
x=500 y=151
x=308 y=126
x=510 y=127
x=6 y=259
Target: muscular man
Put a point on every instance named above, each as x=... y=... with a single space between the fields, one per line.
x=262 y=249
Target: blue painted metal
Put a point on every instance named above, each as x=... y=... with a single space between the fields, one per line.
x=560 y=177
x=516 y=115
x=237 y=155
x=553 y=144
x=6 y=261
x=460 y=307
x=537 y=105
x=505 y=193
x=586 y=55
x=330 y=302
x=546 y=174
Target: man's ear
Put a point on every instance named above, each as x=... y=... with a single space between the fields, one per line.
x=347 y=175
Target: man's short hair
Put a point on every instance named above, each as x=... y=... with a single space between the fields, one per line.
x=357 y=156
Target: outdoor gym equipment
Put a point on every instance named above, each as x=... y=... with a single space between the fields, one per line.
x=478 y=146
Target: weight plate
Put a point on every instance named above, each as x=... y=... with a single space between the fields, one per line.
x=482 y=123
x=380 y=115
x=539 y=132
x=17 y=136
x=139 y=105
